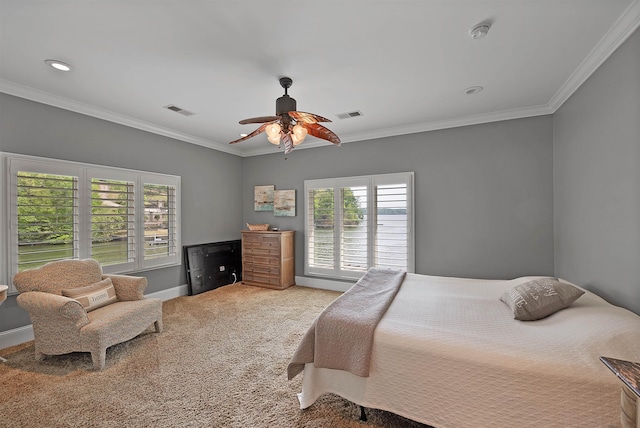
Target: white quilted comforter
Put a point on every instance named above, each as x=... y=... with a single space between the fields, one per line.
x=448 y=353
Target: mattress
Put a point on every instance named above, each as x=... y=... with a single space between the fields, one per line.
x=448 y=353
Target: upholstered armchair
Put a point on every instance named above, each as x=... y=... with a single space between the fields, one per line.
x=74 y=307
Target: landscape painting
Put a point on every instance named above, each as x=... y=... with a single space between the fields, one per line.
x=263 y=198
x=284 y=203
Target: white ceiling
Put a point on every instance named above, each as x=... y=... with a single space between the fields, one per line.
x=403 y=64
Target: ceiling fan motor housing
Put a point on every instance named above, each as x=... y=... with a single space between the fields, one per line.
x=285 y=104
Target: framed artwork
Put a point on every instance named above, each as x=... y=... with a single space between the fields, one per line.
x=284 y=203
x=263 y=198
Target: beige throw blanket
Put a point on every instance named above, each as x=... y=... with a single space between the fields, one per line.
x=342 y=335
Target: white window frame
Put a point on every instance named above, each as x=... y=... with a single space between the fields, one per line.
x=370 y=181
x=12 y=163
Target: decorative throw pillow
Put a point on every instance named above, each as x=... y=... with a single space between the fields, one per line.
x=540 y=298
x=93 y=296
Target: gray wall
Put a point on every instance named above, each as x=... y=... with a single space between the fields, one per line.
x=597 y=180
x=211 y=180
x=483 y=193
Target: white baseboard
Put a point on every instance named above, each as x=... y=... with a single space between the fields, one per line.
x=24 y=334
x=16 y=336
x=170 y=293
x=324 y=284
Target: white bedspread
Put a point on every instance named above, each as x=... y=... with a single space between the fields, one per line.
x=449 y=353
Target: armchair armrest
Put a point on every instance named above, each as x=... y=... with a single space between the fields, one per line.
x=53 y=309
x=128 y=287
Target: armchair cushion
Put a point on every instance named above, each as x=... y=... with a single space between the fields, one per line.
x=54 y=276
x=128 y=287
x=93 y=296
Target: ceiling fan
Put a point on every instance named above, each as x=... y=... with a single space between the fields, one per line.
x=289 y=126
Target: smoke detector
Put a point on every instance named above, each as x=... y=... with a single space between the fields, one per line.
x=479 y=31
x=473 y=90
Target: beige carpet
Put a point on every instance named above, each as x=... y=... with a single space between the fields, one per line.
x=220 y=362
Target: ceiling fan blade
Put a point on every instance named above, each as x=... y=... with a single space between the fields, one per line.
x=260 y=119
x=301 y=116
x=254 y=133
x=320 y=131
x=287 y=142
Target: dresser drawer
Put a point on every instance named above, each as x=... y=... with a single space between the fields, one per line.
x=271 y=241
x=261 y=278
x=261 y=251
x=259 y=260
x=262 y=246
x=258 y=268
x=258 y=239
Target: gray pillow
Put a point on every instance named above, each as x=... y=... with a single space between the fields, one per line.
x=540 y=298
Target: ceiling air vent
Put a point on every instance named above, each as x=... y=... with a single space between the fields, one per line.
x=179 y=110
x=349 y=114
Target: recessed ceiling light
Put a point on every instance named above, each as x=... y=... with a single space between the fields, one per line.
x=473 y=90
x=58 y=65
x=243 y=135
x=479 y=31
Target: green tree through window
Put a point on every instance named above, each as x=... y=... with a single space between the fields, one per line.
x=323 y=208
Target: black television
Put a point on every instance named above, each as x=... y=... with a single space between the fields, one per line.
x=213 y=265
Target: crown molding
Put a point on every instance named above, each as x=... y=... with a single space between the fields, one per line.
x=626 y=24
x=451 y=123
x=417 y=128
x=48 y=98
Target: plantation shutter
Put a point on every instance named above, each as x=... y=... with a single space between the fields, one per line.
x=320 y=228
x=354 y=227
x=391 y=247
x=112 y=221
x=47 y=218
x=159 y=221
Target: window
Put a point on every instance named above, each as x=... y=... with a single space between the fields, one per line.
x=160 y=232
x=112 y=221
x=354 y=223
x=127 y=220
x=47 y=218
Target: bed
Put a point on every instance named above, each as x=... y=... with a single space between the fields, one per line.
x=448 y=353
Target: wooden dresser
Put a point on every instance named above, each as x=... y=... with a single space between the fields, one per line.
x=268 y=258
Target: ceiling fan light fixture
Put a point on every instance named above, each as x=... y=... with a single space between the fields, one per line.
x=273 y=133
x=274 y=140
x=289 y=127
x=273 y=130
x=298 y=134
